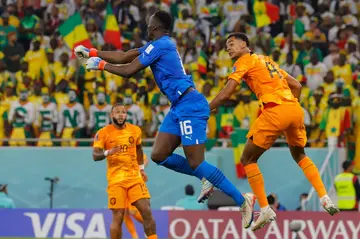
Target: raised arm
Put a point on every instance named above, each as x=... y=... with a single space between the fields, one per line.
x=114 y=57
x=118 y=57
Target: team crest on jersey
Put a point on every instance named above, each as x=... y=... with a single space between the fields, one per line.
x=233 y=69
x=112 y=201
x=131 y=140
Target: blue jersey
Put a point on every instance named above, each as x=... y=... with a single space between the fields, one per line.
x=165 y=62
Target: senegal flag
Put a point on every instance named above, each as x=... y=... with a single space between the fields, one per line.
x=202 y=62
x=238 y=140
x=112 y=33
x=265 y=13
x=74 y=33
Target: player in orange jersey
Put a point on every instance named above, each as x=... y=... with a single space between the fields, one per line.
x=278 y=94
x=131 y=211
x=120 y=144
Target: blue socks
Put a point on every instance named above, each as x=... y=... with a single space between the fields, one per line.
x=179 y=164
x=205 y=170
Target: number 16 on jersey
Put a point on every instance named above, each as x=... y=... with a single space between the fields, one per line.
x=185 y=127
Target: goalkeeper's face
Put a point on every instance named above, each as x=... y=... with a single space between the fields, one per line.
x=118 y=115
x=235 y=47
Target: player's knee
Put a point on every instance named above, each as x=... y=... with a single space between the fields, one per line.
x=248 y=159
x=118 y=217
x=157 y=156
x=194 y=164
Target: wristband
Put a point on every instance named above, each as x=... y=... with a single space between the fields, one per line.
x=93 y=52
x=141 y=167
x=102 y=64
x=106 y=153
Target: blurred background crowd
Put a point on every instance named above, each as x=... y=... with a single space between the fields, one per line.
x=46 y=93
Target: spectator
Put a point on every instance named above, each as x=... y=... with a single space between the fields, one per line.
x=290 y=67
x=347 y=188
x=5 y=29
x=46 y=118
x=135 y=114
x=128 y=15
x=315 y=72
x=303 y=196
x=13 y=15
x=333 y=32
x=274 y=203
x=71 y=120
x=36 y=58
x=159 y=113
x=13 y=53
x=189 y=202
x=52 y=21
x=5 y=200
x=99 y=113
x=353 y=53
x=27 y=26
x=333 y=56
x=96 y=38
x=21 y=116
x=233 y=10
x=343 y=70
x=335 y=122
x=184 y=24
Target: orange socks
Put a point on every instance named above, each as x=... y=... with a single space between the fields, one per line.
x=256 y=182
x=138 y=217
x=312 y=173
x=153 y=237
x=130 y=226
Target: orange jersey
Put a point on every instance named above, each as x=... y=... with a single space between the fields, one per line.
x=122 y=167
x=264 y=77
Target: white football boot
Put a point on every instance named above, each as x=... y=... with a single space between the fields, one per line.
x=328 y=205
x=247 y=209
x=206 y=189
x=267 y=215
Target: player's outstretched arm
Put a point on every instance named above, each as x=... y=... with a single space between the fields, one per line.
x=119 y=57
x=294 y=85
x=115 y=57
x=127 y=70
x=224 y=94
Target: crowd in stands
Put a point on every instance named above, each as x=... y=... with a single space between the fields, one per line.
x=47 y=93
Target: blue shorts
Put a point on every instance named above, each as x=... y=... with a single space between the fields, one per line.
x=188 y=119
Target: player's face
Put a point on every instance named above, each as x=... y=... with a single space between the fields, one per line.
x=118 y=115
x=235 y=47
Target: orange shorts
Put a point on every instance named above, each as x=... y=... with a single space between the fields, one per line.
x=278 y=119
x=122 y=197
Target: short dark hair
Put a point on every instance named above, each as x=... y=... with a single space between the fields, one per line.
x=165 y=19
x=116 y=104
x=189 y=190
x=241 y=36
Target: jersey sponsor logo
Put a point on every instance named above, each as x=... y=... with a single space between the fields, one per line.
x=233 y=69
x=112 y=201
x=97 y=137
x=149 y=49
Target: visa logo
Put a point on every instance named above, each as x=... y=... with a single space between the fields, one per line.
x=63 y=225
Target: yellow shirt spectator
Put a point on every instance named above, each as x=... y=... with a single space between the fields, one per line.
x=36 y=60
x=13 y=21
x=63 y=72
x=343 y=72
